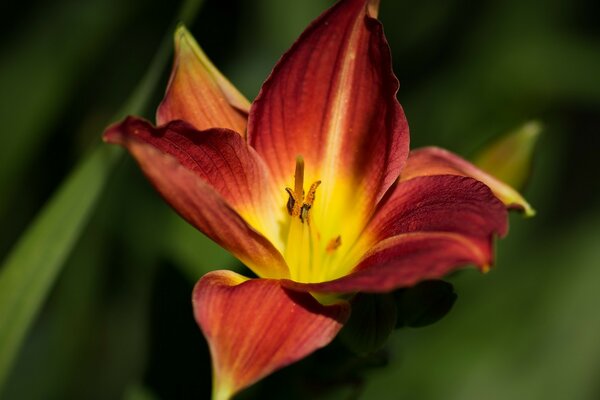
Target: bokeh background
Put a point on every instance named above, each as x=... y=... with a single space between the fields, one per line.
x=116 y=322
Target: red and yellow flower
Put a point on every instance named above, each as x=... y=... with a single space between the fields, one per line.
x=311 y=186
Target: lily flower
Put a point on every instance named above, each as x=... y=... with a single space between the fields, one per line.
x=312 y=187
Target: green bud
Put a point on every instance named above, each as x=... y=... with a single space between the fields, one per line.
x=509 y=158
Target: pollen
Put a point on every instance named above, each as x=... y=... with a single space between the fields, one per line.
x=299 y=203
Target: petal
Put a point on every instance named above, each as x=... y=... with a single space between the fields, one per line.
x=255 y=327
x=424 y=228
x=436 y=161
x=332 y=99
x=213 y=180
x=406 y=259
x=439 y=203
x=198 y=93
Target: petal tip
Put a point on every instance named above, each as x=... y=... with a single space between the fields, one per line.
x=373 y=8
x=528 y=211
x=183 y=39
x=114 y=133
x=256 y=326
x=520 y=205
x=180 y=30
x=119 y=132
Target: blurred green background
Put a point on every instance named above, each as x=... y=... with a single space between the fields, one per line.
x=116 y=322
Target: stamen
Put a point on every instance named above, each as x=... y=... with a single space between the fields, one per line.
x=304 y=250
x=310 y=197
x=308 y=202
x=296 y=199
x=304 y=212
x=291 y=201
x=298 y=205
x=334 y=244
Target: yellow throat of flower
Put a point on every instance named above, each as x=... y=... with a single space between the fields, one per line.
x=310 y=258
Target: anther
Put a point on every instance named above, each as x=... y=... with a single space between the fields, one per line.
x=291 y=200
x=310 y=197
x=299 y=204
x=334 y=244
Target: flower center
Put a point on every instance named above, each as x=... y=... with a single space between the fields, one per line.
x=305 y=253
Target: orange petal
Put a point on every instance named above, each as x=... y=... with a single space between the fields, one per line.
x=213 y=180
x=255 y=327
x=198 y=93
x=437 y=161
x=332 y=99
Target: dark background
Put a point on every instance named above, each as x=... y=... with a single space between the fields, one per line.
x=118 y=321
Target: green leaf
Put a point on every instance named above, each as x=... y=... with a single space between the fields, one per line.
x=31 y=268
x=509 y=157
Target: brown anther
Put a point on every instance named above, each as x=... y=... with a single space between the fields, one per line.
x=334 y=244
x=310 y=197
x=304 y=212
x=308 y=201
x=291 y=200
x=299 y=203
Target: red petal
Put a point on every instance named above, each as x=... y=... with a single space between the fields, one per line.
x=405 y=260
x=439 y=203
x=214 y=180
x=255 y=327
x=332 y=99
x=198 y=93
x=437 y=161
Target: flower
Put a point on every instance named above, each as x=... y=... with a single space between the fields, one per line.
x=312 y=187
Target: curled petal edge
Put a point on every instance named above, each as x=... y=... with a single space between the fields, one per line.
x=437 y=161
